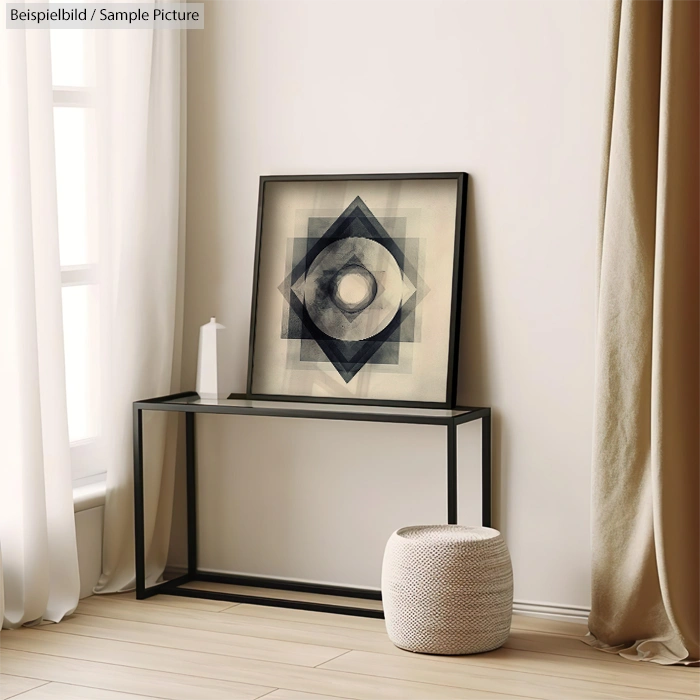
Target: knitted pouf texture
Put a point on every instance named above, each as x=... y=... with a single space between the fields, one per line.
x=447 y=589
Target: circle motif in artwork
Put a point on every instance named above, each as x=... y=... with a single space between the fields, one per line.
x=353 y=289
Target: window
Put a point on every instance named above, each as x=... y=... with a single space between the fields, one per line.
x=72 y=66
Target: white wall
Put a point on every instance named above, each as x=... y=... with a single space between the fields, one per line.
x=512 y=93
x=89 y=525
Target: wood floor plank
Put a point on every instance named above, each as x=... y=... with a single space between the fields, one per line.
x=559 y=672
x=109 y=676
x=319 y=618
x=330 y=630
x=265 y=628
x=290 y=595
x=339 y=637
x=226 y=643
x=63 y=691
x=538 y=624
x=191 y=663
x=557 y=636
x=520 y=622
x=531 y=638
x=10 y=686
x=117 y=648
x=282 y=694
x=558 y=645
x=173 y=601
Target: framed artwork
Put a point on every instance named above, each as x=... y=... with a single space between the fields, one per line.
x=357 y=288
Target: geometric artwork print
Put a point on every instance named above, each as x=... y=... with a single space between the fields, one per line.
x=352 y=288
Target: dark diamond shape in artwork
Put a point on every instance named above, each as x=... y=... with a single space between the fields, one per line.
x=352 y=292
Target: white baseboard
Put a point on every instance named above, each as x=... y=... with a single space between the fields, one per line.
x=552 y=611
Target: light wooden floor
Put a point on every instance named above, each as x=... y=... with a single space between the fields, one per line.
x=117 y=648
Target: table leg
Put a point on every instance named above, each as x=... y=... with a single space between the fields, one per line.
x=452 y=474
x=139 y=543
x=191 y=495
x=486 y=470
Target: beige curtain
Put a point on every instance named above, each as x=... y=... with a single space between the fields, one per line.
x=646 y=488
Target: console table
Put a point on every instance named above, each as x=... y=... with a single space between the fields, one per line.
x=190 y=404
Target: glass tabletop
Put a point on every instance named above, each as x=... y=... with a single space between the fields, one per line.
x=264 y=405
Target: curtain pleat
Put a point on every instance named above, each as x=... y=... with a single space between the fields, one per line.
x=142 y=143
x=646 y=470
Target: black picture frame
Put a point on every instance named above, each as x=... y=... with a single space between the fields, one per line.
x=461 y=179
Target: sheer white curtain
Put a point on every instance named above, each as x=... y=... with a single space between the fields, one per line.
x=37 y=526
x=139 y=166
x=141 y=146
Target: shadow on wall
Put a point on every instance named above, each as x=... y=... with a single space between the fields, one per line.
x=208 y=201
x=474 y=357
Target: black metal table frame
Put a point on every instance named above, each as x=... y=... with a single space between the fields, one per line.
x=173 y=586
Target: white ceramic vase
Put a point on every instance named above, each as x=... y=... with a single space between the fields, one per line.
x=210 y=361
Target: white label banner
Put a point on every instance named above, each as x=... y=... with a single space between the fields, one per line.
x=117 y=15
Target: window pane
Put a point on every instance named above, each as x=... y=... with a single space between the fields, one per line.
x=72 y=55
x=81 y=343
x=68 y=57
x=70 y=135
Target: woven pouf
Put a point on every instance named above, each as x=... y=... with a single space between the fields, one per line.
x=447 y=589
